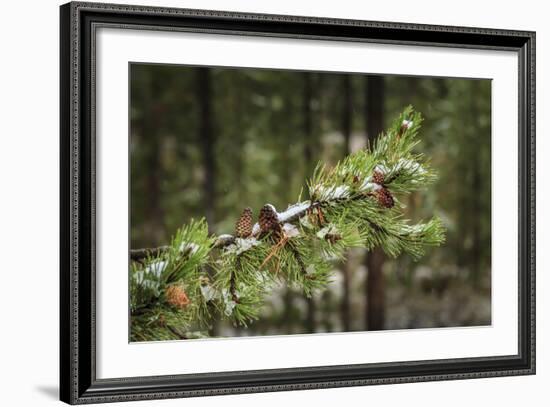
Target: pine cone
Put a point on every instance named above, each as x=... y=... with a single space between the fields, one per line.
x=268 y=219
x=243 y=227
x=378 y=177
x=176 y=296
x=384 y=198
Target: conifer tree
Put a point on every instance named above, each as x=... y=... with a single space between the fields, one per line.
x=176 y=291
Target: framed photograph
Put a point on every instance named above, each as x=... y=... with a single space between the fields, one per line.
x=255 y=203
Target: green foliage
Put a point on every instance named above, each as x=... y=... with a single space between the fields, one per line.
x=182 y=264
x=353 y=204
x=353 y=190
x=240 y=280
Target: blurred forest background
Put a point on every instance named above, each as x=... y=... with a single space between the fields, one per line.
x=211 y=141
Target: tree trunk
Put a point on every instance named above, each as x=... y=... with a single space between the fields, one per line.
x=375 y=289
x=152 y=138
x=308 y=160
x=346 y=131
x=375 y=284
x=207 y=141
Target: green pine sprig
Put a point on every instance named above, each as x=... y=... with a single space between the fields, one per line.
x=355 y=203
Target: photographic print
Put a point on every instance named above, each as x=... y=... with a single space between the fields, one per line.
x=240 y=192
x=277 y=202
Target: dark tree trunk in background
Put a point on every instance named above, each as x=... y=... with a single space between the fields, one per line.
x=152 y=139
x=326 y=303
x=346 y=112
x=239 y=135
x=308 y=160
x=375 y=289
x=154 y=210
x=207 y=141
x=375 y=284
x=346 y=131
x=308 y=120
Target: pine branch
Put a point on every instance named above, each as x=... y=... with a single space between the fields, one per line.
x=174 y=288
x=225 y=240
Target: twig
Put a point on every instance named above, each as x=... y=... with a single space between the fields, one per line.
x=140 y=254
x=226 y=240
x=298 y=258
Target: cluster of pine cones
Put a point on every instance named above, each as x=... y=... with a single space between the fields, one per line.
x=268 y=221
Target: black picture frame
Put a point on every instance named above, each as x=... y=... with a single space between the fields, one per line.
x=78 y=382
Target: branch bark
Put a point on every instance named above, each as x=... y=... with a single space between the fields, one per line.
x=227 y=239
x=223 y=240
x=140 y=254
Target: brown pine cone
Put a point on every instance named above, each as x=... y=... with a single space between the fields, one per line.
x=243 y=227
x=378 y=177
x=176 y=296
x=384 y=198
x=268 y=219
